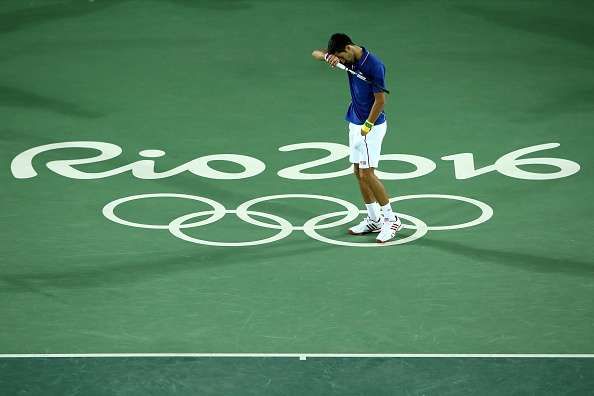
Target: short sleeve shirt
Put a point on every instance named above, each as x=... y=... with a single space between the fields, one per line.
x=361 y=92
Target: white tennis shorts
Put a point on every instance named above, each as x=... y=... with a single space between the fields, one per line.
x=366 y=151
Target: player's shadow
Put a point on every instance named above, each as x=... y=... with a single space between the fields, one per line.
x=17 y=97
x=526 y=261
x=537 y=20
x=575 y=102
x=151 y=266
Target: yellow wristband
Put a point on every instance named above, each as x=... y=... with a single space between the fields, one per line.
x=367 y=127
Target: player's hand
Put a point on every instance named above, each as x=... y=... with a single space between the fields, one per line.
x=366 y=127
x=331 y=60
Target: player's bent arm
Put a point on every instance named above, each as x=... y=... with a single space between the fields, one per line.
x=378 y=106
x=376 y=109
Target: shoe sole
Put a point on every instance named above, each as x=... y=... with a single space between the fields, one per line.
x=362 y=233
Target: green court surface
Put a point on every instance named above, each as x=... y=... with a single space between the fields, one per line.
x=220 y=87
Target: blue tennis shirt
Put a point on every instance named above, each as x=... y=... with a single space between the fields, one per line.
x=362 y=93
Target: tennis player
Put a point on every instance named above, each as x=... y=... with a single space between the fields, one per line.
x=367 y=128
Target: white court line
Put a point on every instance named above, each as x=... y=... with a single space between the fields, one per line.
x=301 y=356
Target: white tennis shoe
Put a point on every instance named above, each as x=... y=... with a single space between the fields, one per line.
x=366 y=226
x=389 y=230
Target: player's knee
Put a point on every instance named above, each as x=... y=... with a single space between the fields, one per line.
x=366 y=174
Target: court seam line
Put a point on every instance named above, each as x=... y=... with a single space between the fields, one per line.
x=301 y=356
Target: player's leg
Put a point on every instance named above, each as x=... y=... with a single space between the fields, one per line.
x=372 y=147
x=366 y=192
x=371 y=182
x=373 y=222
x=373 y=208
x=355 y=156
x=371 y=151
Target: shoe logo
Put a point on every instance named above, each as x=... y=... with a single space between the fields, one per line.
x=284 y=227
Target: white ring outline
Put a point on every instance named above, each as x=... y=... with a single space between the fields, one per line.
x=108 y=210
x=285 y=227
x=310 y=230
x=487 y=211
x=352 y=211
x=177 y=224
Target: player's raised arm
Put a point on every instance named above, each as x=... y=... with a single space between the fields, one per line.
x=322 y=55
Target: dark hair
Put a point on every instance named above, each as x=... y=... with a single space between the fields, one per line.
x=338 y=43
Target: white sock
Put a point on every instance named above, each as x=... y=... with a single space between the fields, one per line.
x=373 y=210
x=388 y=214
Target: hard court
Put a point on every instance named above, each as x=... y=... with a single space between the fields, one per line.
x=176 y=194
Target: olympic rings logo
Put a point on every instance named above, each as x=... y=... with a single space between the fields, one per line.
x=284 y=227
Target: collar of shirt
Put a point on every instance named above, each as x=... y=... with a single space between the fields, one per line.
x=362 y=60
